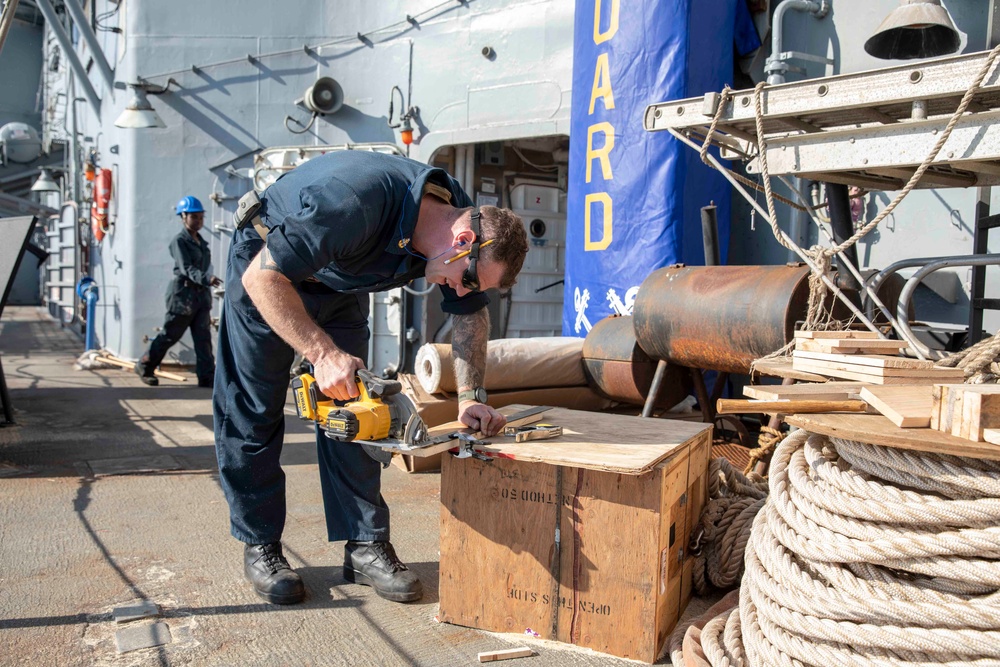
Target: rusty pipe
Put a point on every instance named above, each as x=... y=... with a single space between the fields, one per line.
x=618 y=369
x=719 y=317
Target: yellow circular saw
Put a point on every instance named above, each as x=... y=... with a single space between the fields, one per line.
x=381 y=415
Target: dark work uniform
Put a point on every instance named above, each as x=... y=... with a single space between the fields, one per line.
x=189 y=304
x=338 y=227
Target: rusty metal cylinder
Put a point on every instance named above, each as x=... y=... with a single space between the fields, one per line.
x=719 y=317
x=618 y=369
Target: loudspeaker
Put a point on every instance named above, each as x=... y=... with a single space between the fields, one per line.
x=324 y=97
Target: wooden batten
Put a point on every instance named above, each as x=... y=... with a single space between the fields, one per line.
x=882 y=361
x=966 y=410
x=850 y=346
x=827 y=335
x=905 y=406
x=826 y=391
x=876 y=375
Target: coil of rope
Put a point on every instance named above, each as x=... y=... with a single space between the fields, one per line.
x=868 y=555
x=981 y=362
x=721 y=538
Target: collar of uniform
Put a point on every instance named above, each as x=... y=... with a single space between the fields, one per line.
x=403 y=232
x=186 y=235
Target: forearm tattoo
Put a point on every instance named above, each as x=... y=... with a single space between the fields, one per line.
x=266 y=263
x=468 y=342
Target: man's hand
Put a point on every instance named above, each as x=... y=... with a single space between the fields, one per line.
x=334 y=371
x=215 y=281
x=481 y=417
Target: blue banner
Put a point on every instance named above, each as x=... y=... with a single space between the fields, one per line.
x=635 y=196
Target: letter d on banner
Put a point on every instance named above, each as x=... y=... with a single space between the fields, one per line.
x=588 y=204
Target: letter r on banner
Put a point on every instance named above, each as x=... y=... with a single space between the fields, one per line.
x=600 y=154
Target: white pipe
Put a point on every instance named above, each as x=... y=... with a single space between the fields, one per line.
x=470 y=170
x=460 y=166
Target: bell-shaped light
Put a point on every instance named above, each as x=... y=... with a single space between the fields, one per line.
x=139 y=113
x=45 y=183
x=915 y=29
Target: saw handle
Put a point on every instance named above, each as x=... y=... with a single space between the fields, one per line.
x=370 y=386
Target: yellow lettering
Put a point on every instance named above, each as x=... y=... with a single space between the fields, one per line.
x=602 y=84
x=600 y=153
x=612 y=28
x=588 y=202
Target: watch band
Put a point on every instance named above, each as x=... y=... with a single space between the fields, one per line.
x=478 y=394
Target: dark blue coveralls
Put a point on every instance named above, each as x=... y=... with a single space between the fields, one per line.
x=338 y=227
x=189 y=304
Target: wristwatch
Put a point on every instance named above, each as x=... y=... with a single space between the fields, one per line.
x=478 y=394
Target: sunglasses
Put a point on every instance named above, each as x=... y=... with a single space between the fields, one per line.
x=470 y=277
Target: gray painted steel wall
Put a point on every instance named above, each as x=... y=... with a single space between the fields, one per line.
x=219 y=116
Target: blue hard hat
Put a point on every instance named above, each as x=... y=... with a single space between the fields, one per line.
x=189 y=204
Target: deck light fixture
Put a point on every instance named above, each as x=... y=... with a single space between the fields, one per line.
x=139 y=113
x=915 y=29
x=45 y=182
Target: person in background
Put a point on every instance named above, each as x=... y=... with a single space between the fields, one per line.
x=189 y=299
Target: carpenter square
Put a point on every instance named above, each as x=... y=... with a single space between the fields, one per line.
x=533 y=432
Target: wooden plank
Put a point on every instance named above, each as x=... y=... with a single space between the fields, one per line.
x=825 y=391
x=811 y=366
x=850 y=346
x=903 y=405
x=506 y=411
x=507 y=654
x=980 y=410
x=872 y=365
x=782 y=368
x=992 y=435
x=950 y=401
x=731 y=406
x=601 y=441
x=878 y=430
x=873 y=360
x=821 y=335
x=121 y=363
x=936 y=393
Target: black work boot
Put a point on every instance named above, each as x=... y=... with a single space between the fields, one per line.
x=146 y=374
x=266 y=568
x=375 y=564
x=208 y=382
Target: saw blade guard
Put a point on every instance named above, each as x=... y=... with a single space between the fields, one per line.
x=402 y=411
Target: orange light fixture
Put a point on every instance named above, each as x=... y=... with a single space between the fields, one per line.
x=406 y=132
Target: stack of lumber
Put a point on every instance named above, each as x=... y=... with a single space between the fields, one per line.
x=862 y=356
x=970 y=411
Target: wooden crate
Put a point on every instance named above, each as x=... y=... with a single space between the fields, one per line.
x=582 y=555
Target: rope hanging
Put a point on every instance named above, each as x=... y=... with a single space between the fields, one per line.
x=867 y=555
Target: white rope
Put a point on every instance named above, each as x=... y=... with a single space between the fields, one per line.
x=866 y=555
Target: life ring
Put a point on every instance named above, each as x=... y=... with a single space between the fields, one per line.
x=102 y=199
